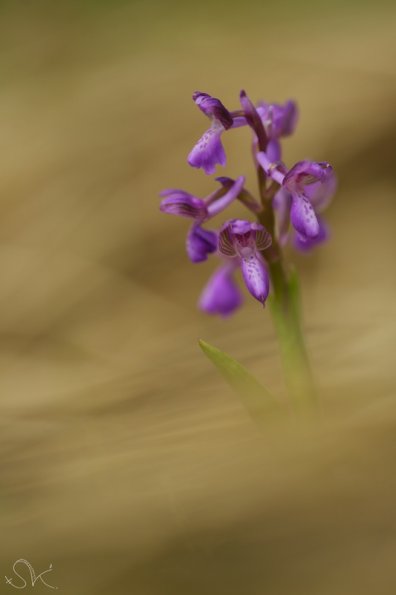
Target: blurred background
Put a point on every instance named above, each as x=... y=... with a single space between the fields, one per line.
x=125 y=461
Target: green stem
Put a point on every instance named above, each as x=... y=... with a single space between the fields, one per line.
x=285 y=306
x=286 y=313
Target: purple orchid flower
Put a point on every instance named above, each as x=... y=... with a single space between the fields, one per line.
x=305 y=189
x=200 y=242
x=209 y=151
x=221 y=295
x=244 y=240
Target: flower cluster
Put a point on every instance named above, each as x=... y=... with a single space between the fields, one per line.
x=292 y=197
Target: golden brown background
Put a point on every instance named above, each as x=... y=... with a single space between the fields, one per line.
x=125 y=461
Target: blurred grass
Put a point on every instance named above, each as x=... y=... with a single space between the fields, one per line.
x=125 y=461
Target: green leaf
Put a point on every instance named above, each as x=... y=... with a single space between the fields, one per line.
x=256 y=398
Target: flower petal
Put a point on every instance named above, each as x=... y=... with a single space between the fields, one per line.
x=221 y=295
x=179 y=202
x=305 y=243
x=256 y=277
x=262 y=237
x=213 y=108
x=226 y=245
x=200 y=243
x=208 y=151
x=303 y=216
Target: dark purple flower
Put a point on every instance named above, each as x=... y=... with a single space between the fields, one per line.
x=208 y=151
x=221 y=295
x=309 y=184
x=200 y=242
x=244 y=240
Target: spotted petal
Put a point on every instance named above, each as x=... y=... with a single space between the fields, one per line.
x=256 y=277
x=303 y=216
x=208 y=151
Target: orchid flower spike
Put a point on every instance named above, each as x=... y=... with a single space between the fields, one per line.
x=244 y=240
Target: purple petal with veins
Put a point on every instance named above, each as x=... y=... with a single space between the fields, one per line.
x=178 y=202
x=213 y=108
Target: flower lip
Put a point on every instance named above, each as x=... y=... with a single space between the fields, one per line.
x=208 y=150
x=213 y=108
